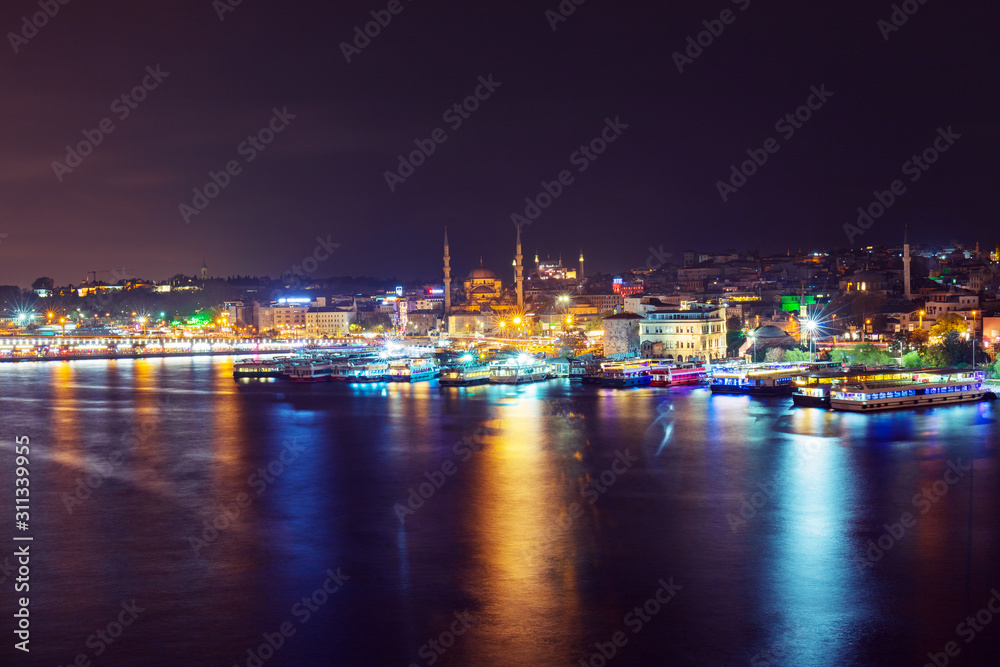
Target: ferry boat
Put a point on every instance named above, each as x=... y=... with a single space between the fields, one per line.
x=257 y=369
x=626 y=374
x=755 y=382
x=367 y=371
x=311 y=371
x=465 y=375
x=593 y=372
x=814 y=389
x=924 y=388
x=519 y=371
x=412 y=370
x=669 y=374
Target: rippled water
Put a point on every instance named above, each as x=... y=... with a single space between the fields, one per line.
x=563 y=513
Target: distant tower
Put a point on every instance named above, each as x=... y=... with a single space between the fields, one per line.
x=538 y=266
x=519 y=271
x=447 y=276
x=906 y=263
x=204 y=270
x=582 y=274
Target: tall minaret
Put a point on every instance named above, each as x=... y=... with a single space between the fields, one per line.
x=906 y=263
x=447 y=277
x=204 y=270
x=582 y=274
x=519 y=271
x=538 y=267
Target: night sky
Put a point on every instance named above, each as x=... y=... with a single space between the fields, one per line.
x=324 y=174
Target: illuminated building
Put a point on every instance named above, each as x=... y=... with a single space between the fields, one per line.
x=482 y=285
x=693 y=331
x=328 y=321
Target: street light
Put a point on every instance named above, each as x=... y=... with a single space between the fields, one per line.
x=811 y=328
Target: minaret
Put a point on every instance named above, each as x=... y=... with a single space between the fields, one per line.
x=582 y=274
x=447 y=277
x=204 y=270
x=519 y=271
x=538 y=266
x=906 y=263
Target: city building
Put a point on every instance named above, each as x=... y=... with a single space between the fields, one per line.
x=328 y=321
x=695 y=331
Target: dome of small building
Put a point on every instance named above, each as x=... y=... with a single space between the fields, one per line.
x=769 y=331
x=482 y=274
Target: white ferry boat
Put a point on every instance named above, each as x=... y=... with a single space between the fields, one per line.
x=626 y=374
x=311 y=371
x=521 y=370
x=924 y=388
x=814 y=389
x=412 y=370
x=465 y=375
x=670 y=374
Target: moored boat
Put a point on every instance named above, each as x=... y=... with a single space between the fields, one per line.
x=925 y=388
x=412 y=370
x=518 y=371
x=814 y=389
x=464 y=375
x=755 y=382
x=626 y=374
x=311 y=371
x=670 y=374
x=257 y=369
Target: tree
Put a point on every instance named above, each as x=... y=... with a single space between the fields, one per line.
x=775 y=354
x=947 y=323
x=912 y=360
x=797 y=355
x=43 y=283
x=919 y=338
x=864 y=354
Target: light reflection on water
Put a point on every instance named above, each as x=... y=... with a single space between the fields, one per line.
x=500 y=538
